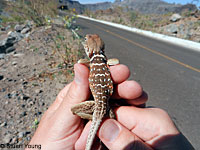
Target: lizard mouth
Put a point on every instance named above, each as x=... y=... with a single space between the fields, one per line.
x=83 y=43
x=85 y=46
x=87 y=50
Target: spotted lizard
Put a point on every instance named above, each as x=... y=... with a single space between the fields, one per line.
x=101 y=86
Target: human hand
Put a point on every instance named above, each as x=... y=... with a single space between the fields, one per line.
x=138 y=129
x=59 y=129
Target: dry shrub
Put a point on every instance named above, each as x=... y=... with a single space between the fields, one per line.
x=36 y=10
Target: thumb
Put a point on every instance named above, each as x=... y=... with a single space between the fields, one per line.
x=116 y=136
x=79 y=89
x=77 y=92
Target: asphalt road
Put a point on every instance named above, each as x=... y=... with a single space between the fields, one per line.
x=168 y=73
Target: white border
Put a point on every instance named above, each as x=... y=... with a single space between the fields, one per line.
x=177 y=41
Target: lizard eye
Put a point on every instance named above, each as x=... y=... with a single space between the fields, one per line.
x=85 y=38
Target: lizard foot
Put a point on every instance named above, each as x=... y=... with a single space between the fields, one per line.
x=112 y=114
x=113 y=61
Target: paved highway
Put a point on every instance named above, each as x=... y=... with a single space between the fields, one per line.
x=168 y=73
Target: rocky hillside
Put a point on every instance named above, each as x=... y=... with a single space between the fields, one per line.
x=144 y=6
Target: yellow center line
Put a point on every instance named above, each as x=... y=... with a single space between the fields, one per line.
x=150 y=50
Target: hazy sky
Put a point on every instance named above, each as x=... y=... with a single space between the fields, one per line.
x=170 y=1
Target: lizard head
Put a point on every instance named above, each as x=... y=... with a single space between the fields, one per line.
x=93 y=45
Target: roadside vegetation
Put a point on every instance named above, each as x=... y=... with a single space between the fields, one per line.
x=35 y=10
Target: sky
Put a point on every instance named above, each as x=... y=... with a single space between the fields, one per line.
x=170 y=1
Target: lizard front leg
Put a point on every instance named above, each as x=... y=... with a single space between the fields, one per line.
x=110 y=62
x=85 y=62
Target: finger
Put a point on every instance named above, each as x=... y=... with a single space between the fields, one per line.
x=127 y=90
x=115 y=136
x=146 y=123
x=140 y=101
x=119 y=73
x=81 y=142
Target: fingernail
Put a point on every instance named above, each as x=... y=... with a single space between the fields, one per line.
x=78 y=79
x=109 y=130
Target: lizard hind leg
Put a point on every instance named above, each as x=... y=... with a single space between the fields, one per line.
x=84 y=109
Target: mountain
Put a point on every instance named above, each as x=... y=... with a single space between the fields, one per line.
x=153 y=6
x=142 y=6
x=80 y=8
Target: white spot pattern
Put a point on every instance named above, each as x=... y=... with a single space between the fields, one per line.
x=99 y=75
x=96 y=56
x=97 y=64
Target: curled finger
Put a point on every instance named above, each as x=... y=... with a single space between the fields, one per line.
x=127 y=90
x=119 y=73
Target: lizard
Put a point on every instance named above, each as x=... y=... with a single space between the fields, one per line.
x=100 y=83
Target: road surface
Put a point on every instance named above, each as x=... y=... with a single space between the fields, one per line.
x=168 y=73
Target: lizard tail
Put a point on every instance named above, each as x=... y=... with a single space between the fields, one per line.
x=92 y=133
